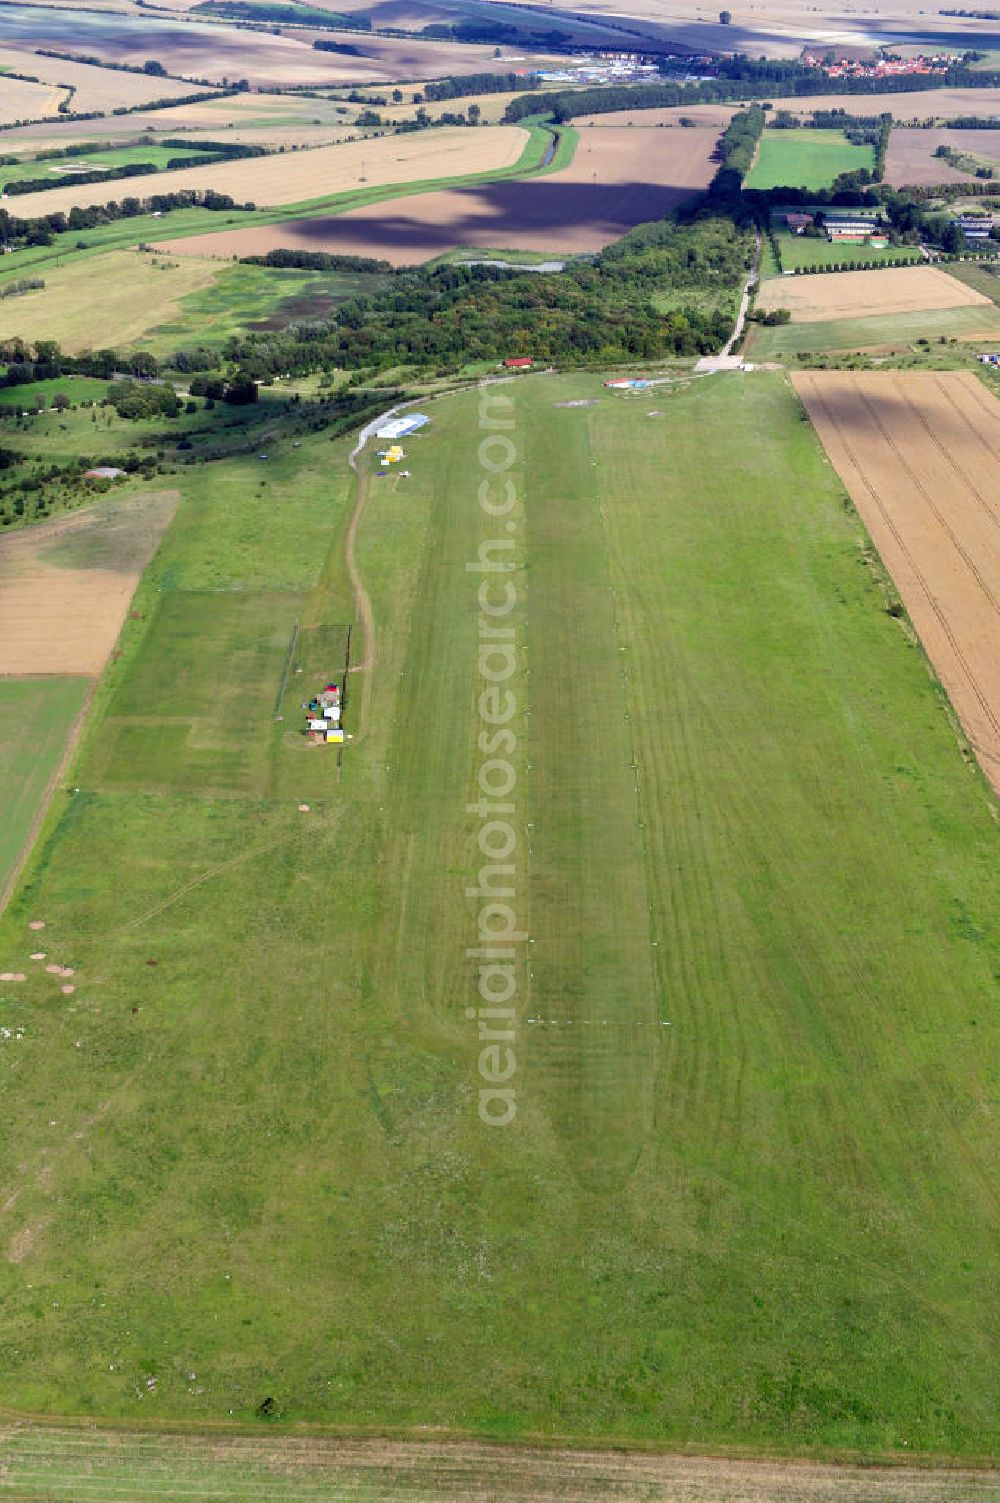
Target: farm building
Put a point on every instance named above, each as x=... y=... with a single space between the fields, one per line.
x=798 y=222
x=518 y=363
x=400 y=427
x=975 y=226
x=854 y=230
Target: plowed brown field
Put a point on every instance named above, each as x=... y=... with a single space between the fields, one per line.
x=619 y=177
x=919 y=453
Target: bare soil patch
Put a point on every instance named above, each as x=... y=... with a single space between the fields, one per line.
x=65 y=586
x=616 y=180
x=919 y=453
x=859 y=294
x=449 y=152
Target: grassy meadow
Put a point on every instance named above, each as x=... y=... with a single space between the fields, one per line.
x=63 y=169
x=744 y=1199
x=37 y=716
x=805 y=158
x=807 y=250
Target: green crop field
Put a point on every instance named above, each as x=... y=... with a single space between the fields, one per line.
x=890 y=331
x=745 y=1197
x=36 y=718
x=805 y=158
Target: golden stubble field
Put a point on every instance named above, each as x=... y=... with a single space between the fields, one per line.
x=27 y=101
x=278 y=179
x=860 y=294
x=96 y=88
x=919 y=453
x=620 y=176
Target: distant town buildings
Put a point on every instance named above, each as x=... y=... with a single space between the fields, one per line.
x=856 y=63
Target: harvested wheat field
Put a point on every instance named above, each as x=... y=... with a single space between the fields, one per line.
x=282 y=179
x=615 y=181
x=716 y=116
x=199 y=50
x=919 y=453
x=27 y=101
x=918 y=104
x=910 y=160
x=857 y=294
x=96 y=88
x=65 y=585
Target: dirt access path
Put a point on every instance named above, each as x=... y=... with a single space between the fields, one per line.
x=919 y=453
x=362 y=600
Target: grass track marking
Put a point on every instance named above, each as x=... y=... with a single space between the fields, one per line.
x=213 y=871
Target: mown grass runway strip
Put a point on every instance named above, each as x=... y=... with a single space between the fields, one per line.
x=243 y=1162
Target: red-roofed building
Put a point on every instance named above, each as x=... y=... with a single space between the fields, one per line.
x=519 y=363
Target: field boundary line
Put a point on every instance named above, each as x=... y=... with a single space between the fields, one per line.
x=72 y=741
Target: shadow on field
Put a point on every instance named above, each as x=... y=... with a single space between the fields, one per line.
x=558 y=216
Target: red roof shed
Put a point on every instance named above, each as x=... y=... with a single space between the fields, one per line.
x=520 y=363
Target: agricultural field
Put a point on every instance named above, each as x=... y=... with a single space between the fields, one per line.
x=617 y=177
x=910 y=159
x=66 y=587
x=199 y=50
x=68 y=583
x=254 y=1122
x=27 y=101
x=857 y=294
x=918 y=453
x=95 y=88
x=159 y=303
x=805 y=158
x=881 y=310
x=936 y=105
x=451 y=151
x=875 y=334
